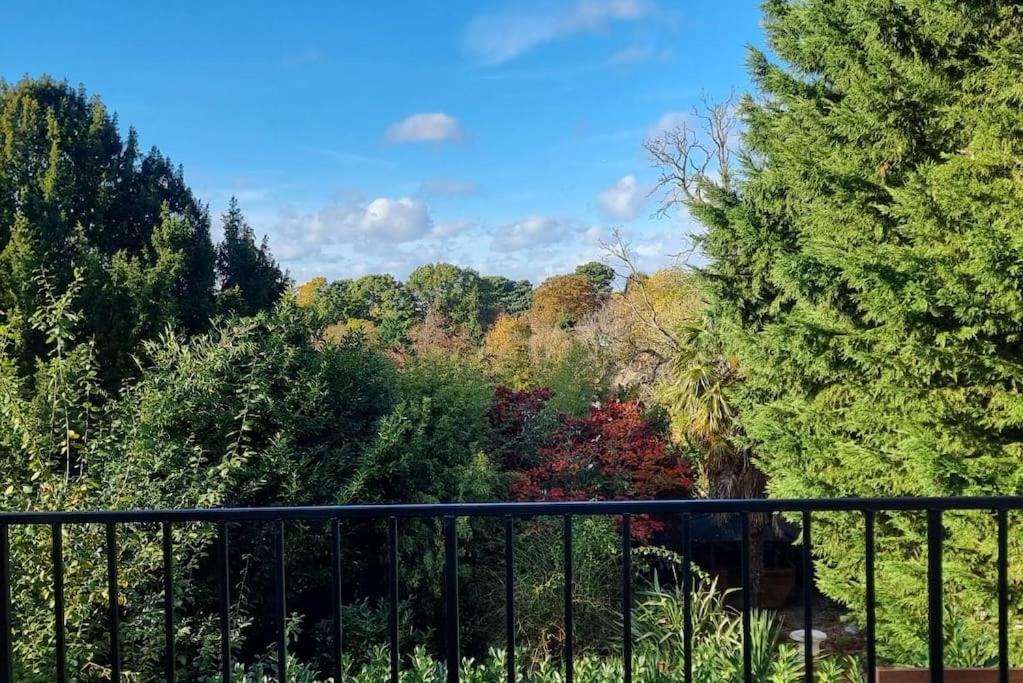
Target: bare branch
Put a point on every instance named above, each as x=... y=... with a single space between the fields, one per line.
x=686 y=156
x=644 y=309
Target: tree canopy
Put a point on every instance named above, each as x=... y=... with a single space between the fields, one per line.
x=863 y=266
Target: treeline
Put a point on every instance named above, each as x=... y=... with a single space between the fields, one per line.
x=854 y=331
x=143 y=366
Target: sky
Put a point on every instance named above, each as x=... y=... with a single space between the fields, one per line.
x=368 y=137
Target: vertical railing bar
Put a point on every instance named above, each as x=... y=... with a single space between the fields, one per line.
x=338 y=601
x=392 y=582
x=807 y=599
x=451 y=598
x=935 y=629
x=569 y=627
x=57 y=552
x=747 y=602
x=170 y=665
x=281 y=607
x=627 y=597
x=687 y=597
x=114 y=605
x=1003 y=595
x=871 y=596
x=509 y=593
x=6 y=646
x=225 y=604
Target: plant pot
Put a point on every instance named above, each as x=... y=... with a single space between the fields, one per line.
x=886 y=675
x=776 y=585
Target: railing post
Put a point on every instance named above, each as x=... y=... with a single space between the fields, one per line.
x=1003 y=595
x=807 y=599
x=871 y=596
x=687 y=597
x=392 y=583
x=6 y=646
x=747 y=600
x=338 y=601
x=281 y=606
x=569 y=629
x=57 y=552
x=171 y=664
x=451 y=598
x=627 y=596
x=225 y=604
x=935 y=623
x=509 y=593
x=114 y=605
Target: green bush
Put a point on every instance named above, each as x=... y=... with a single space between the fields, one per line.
x=658 y=658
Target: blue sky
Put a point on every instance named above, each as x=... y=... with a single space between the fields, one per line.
x=378 y=136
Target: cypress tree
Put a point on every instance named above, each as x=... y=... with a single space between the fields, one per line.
x=250 y=279
x=78 y=201
x=865 y=266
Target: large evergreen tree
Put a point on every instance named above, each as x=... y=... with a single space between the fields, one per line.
x=76 y=200
x=250 y=279
x=866 y=266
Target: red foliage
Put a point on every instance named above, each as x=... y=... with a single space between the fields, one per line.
x=513 y=415
x=510 y=409
x=611 y=454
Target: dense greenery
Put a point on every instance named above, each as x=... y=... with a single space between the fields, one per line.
x=864 y=267
x=854 y=330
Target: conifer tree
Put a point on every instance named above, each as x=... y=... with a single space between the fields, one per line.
x=78 y=202
x=250 y=279
x=865 y=266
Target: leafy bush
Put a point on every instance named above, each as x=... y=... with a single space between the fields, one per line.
x=657 y=658
x=612 y=453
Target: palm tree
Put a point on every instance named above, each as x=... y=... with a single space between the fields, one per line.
x=697 y=394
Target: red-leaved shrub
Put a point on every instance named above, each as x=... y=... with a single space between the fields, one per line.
x=613 y=453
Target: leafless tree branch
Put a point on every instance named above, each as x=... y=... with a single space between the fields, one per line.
x=688 y=154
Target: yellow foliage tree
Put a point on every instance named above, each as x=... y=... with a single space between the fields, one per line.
x=306 y=293
x=338 y=332
x=564 y=300
x=506 y=349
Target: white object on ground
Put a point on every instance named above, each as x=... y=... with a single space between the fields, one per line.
x=817 y=636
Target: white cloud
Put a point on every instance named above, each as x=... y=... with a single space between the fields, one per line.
x=446 y=187
x=427 y=127
x=623 y=200
x=640 y=53
x=451 y=228
x=669 y=121
x=532 y=231
x=495 y=38
x=395 y=220
x=383 y=221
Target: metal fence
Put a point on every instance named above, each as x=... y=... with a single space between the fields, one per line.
x=226 y=518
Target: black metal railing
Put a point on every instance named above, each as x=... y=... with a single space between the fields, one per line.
x=450 y=513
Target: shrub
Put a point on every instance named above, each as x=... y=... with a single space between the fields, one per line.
x=613 y=453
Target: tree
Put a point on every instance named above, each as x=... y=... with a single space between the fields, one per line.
x=249 y=278
x=863 y=266
x=510 y=296
x=600 y=275
x=307 y=292
x=459 y=294
x=77 y=198
x=613 y=453
x=506 y=350
x=564 y=300
x=387 y=303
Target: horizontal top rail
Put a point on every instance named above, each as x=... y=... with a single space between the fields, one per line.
x=528 y=509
